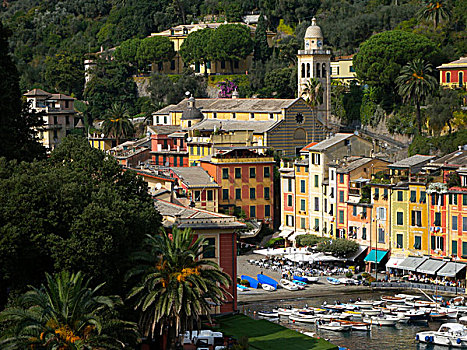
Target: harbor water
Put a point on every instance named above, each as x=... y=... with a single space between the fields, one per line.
x=400 y=337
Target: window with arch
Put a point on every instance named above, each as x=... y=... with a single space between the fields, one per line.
x=303 y=70
x=307 y=70
x=323 y=69
x=461 y=79
x=318 y=71
x=448 y=77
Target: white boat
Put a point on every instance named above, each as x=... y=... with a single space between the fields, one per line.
x=421 y=303
x=449 y=334
x=364 y=304
x=356 y=326
x=268 y=313
x=347 y=281
x=408 y=296
x=381 y=320
x=389 y=298
x=334 y=326
x=318 y=310
x=312 y=279
x=268 y=287
x=399 y=307
x=450 y=313
x=283 y=311
x=332 y=280
x=303 y=318
x=286 y=284
x=417 y=315
x=401 y=317
x=371 y=312
x=241 y=288
x=354 y=314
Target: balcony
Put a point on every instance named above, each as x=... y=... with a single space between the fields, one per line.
x=314 y=52
x=51 y=127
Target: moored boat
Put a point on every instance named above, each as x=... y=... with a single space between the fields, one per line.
x=448 y=334
x=241 y=288
x=289 y=285
x=381 y=320
x=333 y=280
x=334 y=326
x=392 y=299
x=268 y=313
x=268 y=287
x=312 y=279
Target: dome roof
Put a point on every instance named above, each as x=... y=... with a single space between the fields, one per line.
x=313 y=31
x=191 y=112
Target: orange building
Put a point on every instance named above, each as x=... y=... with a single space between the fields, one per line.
x=246 y=181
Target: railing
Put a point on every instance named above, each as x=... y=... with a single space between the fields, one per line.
x=314 y=52
x=410 y=285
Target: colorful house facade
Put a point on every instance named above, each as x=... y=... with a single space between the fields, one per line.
x=453 y=74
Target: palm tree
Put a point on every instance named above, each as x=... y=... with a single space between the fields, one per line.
x=117 y=123
x=435 y=10
x=65 y=313
x=415 y=83
x=313 y=93
x=178 y=285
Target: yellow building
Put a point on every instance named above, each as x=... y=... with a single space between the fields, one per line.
x=342 y=69
x=179 y=33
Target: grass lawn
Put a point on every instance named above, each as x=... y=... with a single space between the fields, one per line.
x=267 y=335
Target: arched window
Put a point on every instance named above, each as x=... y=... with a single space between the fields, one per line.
x=461 y=79
x=307 y=70
x=318 y=70
x=300 y=135
x=448 y=77
x=323 y=69
x=303 y=70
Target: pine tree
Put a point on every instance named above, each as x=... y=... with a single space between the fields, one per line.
x=262 y=51
x=19 y=140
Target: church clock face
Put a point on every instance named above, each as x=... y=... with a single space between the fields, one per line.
x=307 y=45
x=320 y=43
x=299 y=118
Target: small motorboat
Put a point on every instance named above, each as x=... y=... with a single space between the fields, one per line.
x=289 y=285
x=364 y=304
x=241 y=288
x=301 y=285
x=381 y=320
x=273 y=314
x=417 y=315
x=312 y=279
x=449 y=334
x=318 y=311
x=408 y=296
x=392 y=299
x=401 y=317
x=371 y=312
x=347 y=281
x=333 y=280
x=356 y=326
x=300 y=279
x=303 y=318
x=333 y=326
x=268 y=287
x=457 y=301
x=284 y=311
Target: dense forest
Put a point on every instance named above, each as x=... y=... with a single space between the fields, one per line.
x=47 y=33
x=49 y=41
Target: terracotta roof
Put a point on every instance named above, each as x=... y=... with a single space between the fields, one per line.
x=61 y=97
x=308 y=146
x=164 y=129
x=37 y=92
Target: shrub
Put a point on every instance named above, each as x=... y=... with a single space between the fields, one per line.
x=365 y=274
x=338 y=247
x=274 y=241
x=309 y=240
x=349 y=274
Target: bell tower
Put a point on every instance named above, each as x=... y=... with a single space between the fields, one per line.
x=315 y=62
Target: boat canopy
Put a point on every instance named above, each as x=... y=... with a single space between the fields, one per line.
x=431 y=266
x=411 y=263
x=451 y=269
x=376 y=255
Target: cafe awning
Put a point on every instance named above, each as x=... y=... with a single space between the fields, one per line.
x=411 y=263
x=451 y=269
x=361 y=249
x=393 y=263
x=431 y=266
x=380 y=254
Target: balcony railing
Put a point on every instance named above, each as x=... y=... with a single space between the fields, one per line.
x=314 y=52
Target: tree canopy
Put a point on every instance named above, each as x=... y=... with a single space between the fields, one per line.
x=153 y=50
x=195 y=48
x=381 y=57
x=76 y=211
